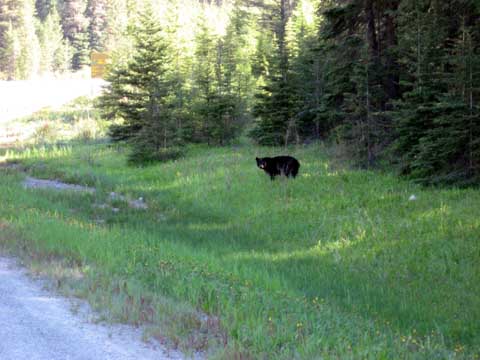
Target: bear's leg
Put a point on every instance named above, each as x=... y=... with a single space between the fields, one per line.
x=294 y=172
x=288 y=170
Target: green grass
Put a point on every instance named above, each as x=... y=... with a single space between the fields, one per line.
x=335 y=264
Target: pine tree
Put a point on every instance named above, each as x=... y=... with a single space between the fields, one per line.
x=139 y=93
x=222 y=78
x=276 y=100
x=96 y=13
x=205 y=84
x=306 y=72
x=9 y=41
x=117 y=21
x=44 y=7
x=9 y=16
x=437 y=121
x=181 y=53
x=414 y=115
x=31 y=43
x=75 y=25
x=28 y=59
x=51 y=42
x=234 y=78
x=9 y=54
x=63 y=57
x=361 y=37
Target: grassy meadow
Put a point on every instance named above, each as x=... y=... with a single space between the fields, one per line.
x=337 y=264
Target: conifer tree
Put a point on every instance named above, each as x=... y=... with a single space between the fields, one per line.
x=96 y=14
x=51 y=42
x=205 y=84
x=181 y=54
x=9 y=41
x=276 y=99
x=44 y=7
x=9 y=54
x=9 y=16
x=437 y=120
x=28 y=59
x=139 y=93
x=75 y=25
x=362 y=80
x=234 y=79
x=306 y=73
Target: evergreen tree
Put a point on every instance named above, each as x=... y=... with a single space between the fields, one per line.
x=117 y=18
x=31 y=42
x=28 y=59
x=44 y=7
x=437 y=120
x=205 y=83
x=275 y=107
x=306 y=72
x=9 y=16
x=221 y=79
x=96 y=13
x=139 y=94
x=63 y=57
x=181 y=54
x=9 y=47
x=234 y=79
x=361 y=37
x=9 y=54
x=75 y=26
x=51 y=42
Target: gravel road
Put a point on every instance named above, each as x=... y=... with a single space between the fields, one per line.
x=24 y=97
x=38 y=325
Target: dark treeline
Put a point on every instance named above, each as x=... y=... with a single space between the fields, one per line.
x=389 y=80
x=401 y=82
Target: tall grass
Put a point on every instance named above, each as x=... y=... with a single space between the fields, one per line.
x=335 y=264
x=77 y=120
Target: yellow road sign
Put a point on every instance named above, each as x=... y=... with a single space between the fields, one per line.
x=98 y=64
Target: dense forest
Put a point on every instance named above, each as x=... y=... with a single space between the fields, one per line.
x=391 y=81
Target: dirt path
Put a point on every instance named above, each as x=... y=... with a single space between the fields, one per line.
x=21 y=98
x=33 y=183
x=38 y=325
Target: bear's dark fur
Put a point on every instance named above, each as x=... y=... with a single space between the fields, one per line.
x=279 y=165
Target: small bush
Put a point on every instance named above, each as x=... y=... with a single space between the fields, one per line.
x=45 y=133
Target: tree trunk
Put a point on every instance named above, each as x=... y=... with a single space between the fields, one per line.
x=371 y=30
x=392 y=87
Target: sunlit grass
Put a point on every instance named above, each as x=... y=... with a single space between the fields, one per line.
x=337 y=263
x=77 y=120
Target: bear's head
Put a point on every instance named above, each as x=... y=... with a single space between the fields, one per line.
x=261 y=163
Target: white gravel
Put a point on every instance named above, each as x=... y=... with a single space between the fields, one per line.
x=38 y=325
x=34 y=183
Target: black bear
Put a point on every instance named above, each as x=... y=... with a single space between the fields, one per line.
x=279 y=165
